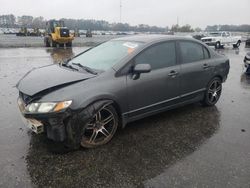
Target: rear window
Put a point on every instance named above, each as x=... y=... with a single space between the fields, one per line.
x=191 y=51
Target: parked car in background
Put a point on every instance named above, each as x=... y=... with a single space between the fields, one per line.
x=220 y=39
x=247 y=45
x=83 y=101
x=89 y=33
x=198 y=36
x=247 y=62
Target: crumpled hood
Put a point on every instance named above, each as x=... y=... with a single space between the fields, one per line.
x=49 y=77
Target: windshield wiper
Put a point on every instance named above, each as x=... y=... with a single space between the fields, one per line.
x=69 y=66
x=87 y=69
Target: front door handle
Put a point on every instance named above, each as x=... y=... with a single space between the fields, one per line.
x=173 y=73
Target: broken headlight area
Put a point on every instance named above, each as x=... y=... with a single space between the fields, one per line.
x=43 y=107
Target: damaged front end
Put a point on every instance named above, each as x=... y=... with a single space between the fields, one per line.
x=60 y=123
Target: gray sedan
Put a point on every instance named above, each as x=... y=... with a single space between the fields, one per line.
x=83 y=101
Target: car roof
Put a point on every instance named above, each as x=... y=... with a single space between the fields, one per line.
x=152 y=38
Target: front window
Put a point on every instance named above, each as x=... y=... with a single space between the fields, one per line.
x=159 y=56
x=215 y=34
x=105 y=55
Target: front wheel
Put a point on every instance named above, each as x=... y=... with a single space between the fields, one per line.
x=213 y=92
x=101 y=129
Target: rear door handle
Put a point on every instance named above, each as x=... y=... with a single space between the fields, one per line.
x=206 y=66
x=173 y=73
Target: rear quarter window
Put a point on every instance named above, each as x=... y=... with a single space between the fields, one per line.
x=206 y=53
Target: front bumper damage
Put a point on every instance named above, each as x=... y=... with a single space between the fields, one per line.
x=66 y=126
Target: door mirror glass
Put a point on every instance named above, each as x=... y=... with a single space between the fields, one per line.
x=142 y=68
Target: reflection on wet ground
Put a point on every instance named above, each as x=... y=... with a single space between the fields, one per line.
x=245 y=80
x=141 y=151
x=191 y=146
x=59 y=55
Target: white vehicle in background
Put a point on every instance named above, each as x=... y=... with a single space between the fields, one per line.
x=220 y=39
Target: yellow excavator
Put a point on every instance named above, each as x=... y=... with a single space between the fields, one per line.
x=57 y=34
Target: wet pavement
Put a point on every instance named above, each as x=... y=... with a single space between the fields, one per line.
x=9 y=41
x=191 y=146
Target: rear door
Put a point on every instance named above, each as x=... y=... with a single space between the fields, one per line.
x=160 y=87
x=196 y=68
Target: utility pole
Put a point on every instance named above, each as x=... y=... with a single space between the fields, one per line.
x=120 y=11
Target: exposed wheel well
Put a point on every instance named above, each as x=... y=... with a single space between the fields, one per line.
x=218 y=76
x=118 y=110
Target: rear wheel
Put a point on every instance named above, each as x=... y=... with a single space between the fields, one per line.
x=101 y=129
x=61 y=45
x=46 y=42
x=237 y=45
x=53 y=43
x=213 y=92
x=217 y=45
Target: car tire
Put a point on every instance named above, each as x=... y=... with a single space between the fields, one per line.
x=238 y=44
x=46 y=42
x=213 y=92
x=61 y=45
x=217 y=45
x=53 y=43
x=69 y=44
x=101 y=129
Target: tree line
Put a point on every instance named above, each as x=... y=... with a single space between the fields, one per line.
x=240 y=28
x=11 y=21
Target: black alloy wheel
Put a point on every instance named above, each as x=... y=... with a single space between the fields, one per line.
x=101 y=129
x=213 y=92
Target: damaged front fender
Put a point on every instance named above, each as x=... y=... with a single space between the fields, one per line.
x=75 y=124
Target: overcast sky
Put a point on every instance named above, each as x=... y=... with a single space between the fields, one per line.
x=153 y=12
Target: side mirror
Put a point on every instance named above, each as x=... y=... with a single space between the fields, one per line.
x=142 y=68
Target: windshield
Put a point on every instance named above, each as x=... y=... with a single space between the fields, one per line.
x=215 y=34
x=105 y=55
